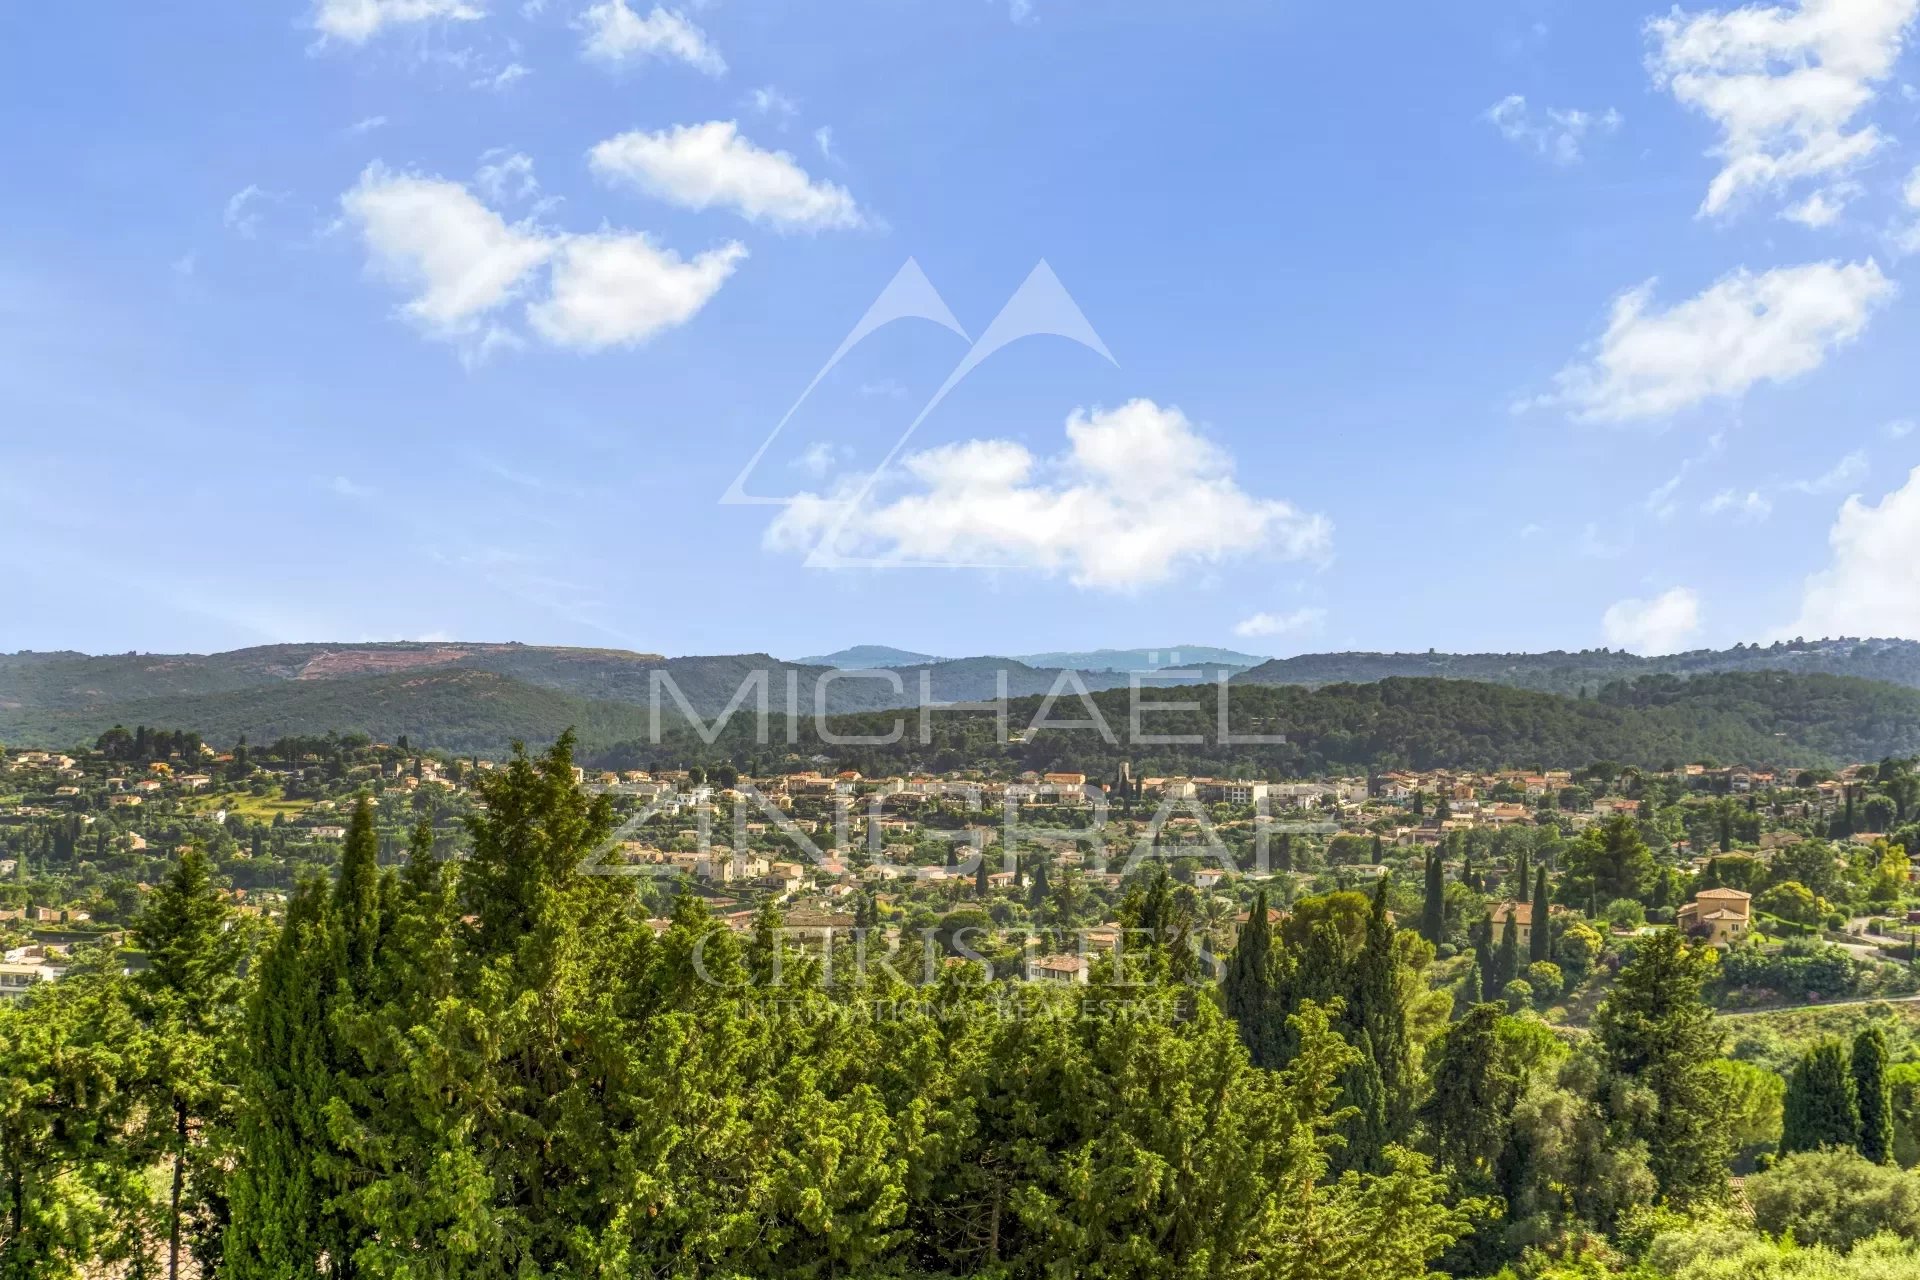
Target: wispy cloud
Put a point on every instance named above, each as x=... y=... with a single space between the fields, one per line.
x=1280 y=624
x=1554 y=134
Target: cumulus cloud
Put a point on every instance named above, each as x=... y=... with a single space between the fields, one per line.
x=1554 y=134
x=699 y=166
x=1785 y=84
x=1663 y=624
x=357 y=21
x=616 y=34
x=436 y=238
x=1138 y=496
x=1871 y=584
x=464 y=264
x=620 y=290
x=1280 y=624
x=1742 y=330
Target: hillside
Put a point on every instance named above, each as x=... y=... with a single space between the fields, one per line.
x=1894 y=661
x=863 y=657
x=1794 y=721
x=1123 y=660
x=451 y=710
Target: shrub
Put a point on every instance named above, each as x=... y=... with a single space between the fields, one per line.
x=1519 y=995
x=1547 y=981
x=1835 y=1198
x=1625 y=913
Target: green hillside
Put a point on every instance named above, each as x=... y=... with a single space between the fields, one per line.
x=1895 y=661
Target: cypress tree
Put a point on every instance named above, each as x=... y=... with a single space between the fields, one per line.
x=1471 y=992
x=188 y=995
x=1433 y=916
x=1874 y=1094
x=1383 y=1019
x=277 y=1227
x=1540 y=941
x=1474 y=1091
x=1366 y=1131
x=1037 y=889
x=1250 y=986
x=1506 y=960
x=981 y=885
x=1821 y=1108
x=356 y=899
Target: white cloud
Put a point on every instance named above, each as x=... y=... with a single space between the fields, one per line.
x=1898 y=429
x=357 y=21
x=464 y=263
x=1661 y=625
x=1139 y=496
x=818 y=458
x=702 y=165
x=1908 y=239
x=769 y=101
x=1871 y=586
x=366 y=125
x=1554 y=134
x=1280 y=624
x=510 y=74
x=621 y=289
x=242 y=215
x=1751 y=505
x=345 y=488
x=461 y=259
x=1785 y=84
x=1850 y=470
x=506 y=176
x=1743 y=330
x=1824 y=207
x=823 y=138
x=616 y=34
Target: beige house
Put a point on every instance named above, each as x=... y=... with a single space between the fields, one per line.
x=1522 y=913
x=1070 y=970
x=1722 y=915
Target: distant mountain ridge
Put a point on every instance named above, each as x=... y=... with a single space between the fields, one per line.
x=465 y=696
x=1172 y=656
x=864 y=657
x=1890 y=660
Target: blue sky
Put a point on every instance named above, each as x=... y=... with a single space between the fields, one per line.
x=1486 y=326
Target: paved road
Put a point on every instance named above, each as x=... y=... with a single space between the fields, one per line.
x=1823 y=1004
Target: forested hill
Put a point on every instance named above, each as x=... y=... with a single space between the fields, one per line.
x=463 y=706
x=1895 y=661
x=1421 y=724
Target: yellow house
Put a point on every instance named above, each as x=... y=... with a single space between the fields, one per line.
x=1722 y=915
